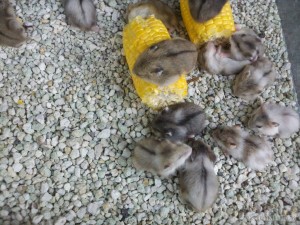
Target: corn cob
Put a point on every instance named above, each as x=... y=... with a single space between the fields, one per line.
x=220 y=26
x=138 y=36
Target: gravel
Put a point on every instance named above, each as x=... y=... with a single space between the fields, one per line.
x=70 y=117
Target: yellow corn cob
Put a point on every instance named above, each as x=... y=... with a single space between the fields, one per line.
x=139 y=35
x=220 y=26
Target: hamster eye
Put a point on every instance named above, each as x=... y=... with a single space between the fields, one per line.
x=158 y=71
x=167 y=166
x=154 y=47
x=243 y=35
x=258 y=126
x=169 y=134
x=275 y=124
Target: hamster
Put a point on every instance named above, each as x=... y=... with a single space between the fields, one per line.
x=161 y=157
x=275 y=120
x=212 y=59
x=255 y=152
x=164 y=62
x=81 y=14
x=180 y=121
x=157 y=8
x=253 y=79
x=203 y=10
x=245 y=45
x=198 y=182
x=12 y=32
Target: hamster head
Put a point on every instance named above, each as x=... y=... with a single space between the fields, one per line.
x=173 y=155
x=171 y=131
x=245 y=86
x=228 y=138
x=261 y=122
x=246 y=45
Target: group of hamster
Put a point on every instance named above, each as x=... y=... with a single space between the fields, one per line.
x=176 y=149
x=178 y=124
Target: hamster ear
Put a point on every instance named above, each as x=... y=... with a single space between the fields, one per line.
x=275 y=124
x=238 y=27
x=248 y=73
x=232 y=145
x=237 y=126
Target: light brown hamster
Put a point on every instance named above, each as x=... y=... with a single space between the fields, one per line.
x=198 y=182
x=254 y=79
x=203 y=10
x=161 y=157
x=214 y=61
x=180 y=121
x=255 y=152
x=157 y=8
x=245 y=45
x=12 y=32
x=81 y=14
x=164 y=62
x=275 y=120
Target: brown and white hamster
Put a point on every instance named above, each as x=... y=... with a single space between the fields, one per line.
x=255 y=152
x=254 y=79
x=245 y=45
x=81 y=14
x=12 y=32
x=275 y=120
x=161 y=157
x=212 y=59
x=163 y=63
x=198 y=182
x=180 y=121
x=157 y=8
x=203 y=10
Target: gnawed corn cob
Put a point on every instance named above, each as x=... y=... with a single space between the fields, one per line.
x=139 y=35
x=220 y=26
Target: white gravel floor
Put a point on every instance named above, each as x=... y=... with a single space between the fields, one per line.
x=70 y=117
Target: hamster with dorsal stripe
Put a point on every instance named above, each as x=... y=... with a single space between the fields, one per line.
x=12 y=32
x=161 y=157
x=180 y=121
x=275 y=120
x=254 y=79
x=212 y=59
x=255 y=152
x=157 y=8
x=81 y=14
x=198 y=182
x=245 y=44
x=204 y=10
x=163 y=63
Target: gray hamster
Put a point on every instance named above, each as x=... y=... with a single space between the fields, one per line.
x=255 y=152
x=180 y=121
x=161 y=157
x=81 y=14
x=198 y=182
x=275 y=120
x=163 y=63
